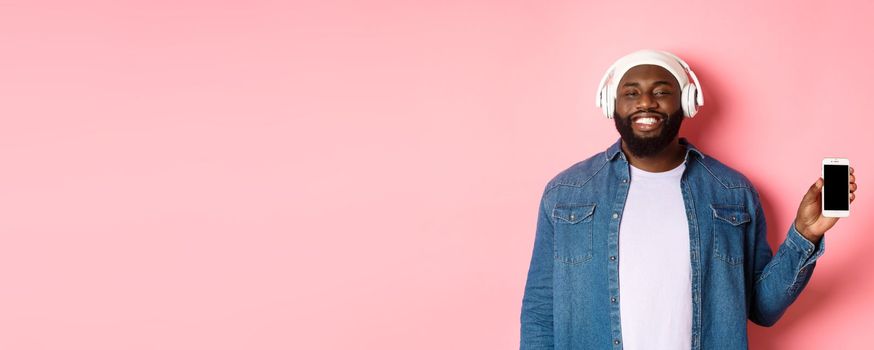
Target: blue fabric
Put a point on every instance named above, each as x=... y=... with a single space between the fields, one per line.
x=574 y=274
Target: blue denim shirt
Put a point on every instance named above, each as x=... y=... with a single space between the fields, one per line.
x=571 y=298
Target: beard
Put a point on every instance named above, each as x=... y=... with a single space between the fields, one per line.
x=643 y=147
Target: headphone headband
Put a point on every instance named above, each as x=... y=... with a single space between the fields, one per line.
x=691 y=98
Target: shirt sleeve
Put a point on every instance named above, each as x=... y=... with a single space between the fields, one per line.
x=537 y=306
x=812 y=251
x=779 y=279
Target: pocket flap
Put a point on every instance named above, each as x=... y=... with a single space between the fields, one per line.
x=732 y=214
x=573 y=213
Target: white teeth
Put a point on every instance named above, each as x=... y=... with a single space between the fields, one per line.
x=646 y=120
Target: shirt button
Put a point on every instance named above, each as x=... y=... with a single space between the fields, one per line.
x=615 y=215
x=616 y=342
x=624 y=180
x=612 y=300
x=613 y=257
x=572 y=216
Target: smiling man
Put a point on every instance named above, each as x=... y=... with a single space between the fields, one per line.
x=653 y=244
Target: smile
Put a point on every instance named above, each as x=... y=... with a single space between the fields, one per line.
x=647 y=120
x=646 y=123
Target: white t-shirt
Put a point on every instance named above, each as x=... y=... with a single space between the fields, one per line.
x=655 y=288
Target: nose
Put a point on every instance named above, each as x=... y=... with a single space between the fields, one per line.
x=646 y=101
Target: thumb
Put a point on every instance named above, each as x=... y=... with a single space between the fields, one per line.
x=812 y=194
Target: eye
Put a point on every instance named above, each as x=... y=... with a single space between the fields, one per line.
x=631 y=93
x=662 y=93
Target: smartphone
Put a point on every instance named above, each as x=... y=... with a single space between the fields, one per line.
x=836 y=187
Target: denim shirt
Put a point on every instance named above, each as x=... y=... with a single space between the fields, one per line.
x=571 y=298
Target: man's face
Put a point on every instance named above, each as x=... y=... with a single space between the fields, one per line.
x=648 y=112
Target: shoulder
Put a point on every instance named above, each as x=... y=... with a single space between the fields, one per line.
x=579 y=173
x=724 y=175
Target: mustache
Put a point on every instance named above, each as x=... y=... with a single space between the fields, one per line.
x=663 y=115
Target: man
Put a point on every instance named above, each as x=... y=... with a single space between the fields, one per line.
x=653 y=244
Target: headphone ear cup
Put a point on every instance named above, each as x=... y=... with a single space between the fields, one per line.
x=689 y=100
x=684 y=100
x=605 y=106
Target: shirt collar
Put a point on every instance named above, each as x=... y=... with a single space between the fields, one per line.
x=616 y=149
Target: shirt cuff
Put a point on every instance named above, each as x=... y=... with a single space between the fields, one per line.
x=809 y=252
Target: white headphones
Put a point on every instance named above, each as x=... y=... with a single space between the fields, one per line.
x=692 y=98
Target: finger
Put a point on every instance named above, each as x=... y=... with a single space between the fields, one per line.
x=853 y=187
x=851 y=170
x=813 y=191
x=852 y=178
x=829 y=222
x=852 y=197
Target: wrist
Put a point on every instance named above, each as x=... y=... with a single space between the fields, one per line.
x=805 y=232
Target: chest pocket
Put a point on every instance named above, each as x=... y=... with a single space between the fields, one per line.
x=729 y=231
x=573 y=232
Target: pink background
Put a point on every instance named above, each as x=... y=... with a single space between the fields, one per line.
x=362 y=175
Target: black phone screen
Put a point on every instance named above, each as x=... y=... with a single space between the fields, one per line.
x=836 y=187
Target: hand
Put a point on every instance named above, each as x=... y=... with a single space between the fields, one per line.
x=809 y=220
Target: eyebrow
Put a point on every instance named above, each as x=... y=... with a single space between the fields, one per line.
x=659 y=82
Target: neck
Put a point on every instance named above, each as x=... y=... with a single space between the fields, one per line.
x=668 y=158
